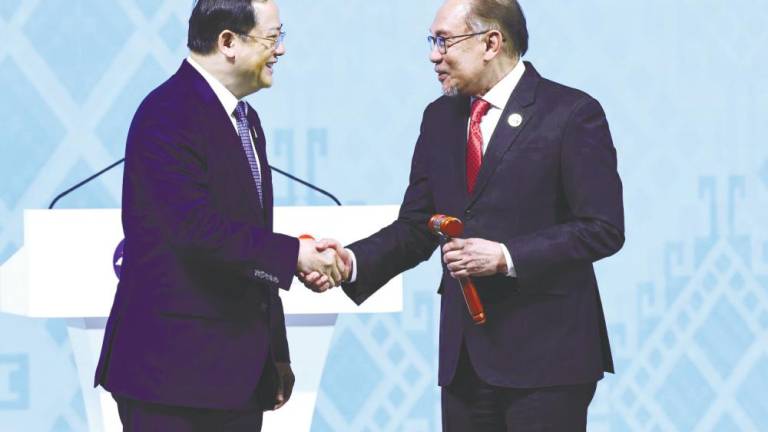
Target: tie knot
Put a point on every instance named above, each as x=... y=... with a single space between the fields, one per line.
x=241 y=110
x=479 y=109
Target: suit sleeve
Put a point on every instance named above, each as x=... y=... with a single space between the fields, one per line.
x=167 y=164
x=593 y=192
x=406 y=242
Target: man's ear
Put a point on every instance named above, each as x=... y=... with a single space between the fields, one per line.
x=494 y=44
x=226 y=43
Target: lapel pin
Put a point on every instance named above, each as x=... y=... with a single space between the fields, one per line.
x=515 y=120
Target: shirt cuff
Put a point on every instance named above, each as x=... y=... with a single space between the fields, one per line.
x=510 y=266
x=353 y=276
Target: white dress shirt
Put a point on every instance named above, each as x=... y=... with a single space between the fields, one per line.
x=497 y=96
x=228 y=101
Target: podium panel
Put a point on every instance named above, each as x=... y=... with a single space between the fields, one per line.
x=66 y=269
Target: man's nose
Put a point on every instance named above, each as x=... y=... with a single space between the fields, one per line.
x=434 y=55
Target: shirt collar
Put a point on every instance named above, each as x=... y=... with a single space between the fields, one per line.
x=227 y=99
x=499 y=94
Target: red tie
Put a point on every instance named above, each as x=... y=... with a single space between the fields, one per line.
x=475 y=141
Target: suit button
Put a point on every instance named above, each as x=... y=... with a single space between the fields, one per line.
x=263 y=307
x=468 y=215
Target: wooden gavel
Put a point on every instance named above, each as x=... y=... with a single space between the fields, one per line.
x=450 y=227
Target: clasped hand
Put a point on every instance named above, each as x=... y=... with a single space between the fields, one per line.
x=322 y=264
x=473 y=257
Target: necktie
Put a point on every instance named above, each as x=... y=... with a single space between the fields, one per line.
x=244 y=130
x=480 y=107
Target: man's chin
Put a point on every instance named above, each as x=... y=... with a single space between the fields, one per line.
x=265 y=83
x=450 y=91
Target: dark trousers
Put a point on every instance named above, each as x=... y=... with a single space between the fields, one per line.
x=138 y=416
x=470 y=404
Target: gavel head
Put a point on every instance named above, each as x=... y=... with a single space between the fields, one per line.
x=446 y=226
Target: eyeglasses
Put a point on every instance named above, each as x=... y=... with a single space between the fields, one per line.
x=276 y=41
x=442 y=42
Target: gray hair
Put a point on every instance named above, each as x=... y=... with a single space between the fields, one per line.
x=505 y=16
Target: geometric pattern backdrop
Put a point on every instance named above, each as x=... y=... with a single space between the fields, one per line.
x=684 y=86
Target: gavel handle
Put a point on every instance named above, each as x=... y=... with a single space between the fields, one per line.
x=473 y=300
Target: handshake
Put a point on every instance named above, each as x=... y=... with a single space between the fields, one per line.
x=323 y=264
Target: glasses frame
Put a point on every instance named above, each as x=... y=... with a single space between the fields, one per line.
x=441 y=42
x=276 y=42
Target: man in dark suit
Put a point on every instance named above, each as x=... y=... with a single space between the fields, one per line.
x=530 y=168
x=196 y=338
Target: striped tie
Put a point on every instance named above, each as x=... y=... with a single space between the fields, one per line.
x=245 y=139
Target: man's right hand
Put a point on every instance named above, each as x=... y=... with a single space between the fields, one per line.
x=319 y=260
x=318 y=282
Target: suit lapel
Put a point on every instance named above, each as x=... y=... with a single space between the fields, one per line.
x=224 y=134
x=266 y=173
x=505 y=134
x=457 y=144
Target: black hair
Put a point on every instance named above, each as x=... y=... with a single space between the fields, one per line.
x=210 y=17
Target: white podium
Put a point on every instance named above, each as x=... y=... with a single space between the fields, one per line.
x=65 y=270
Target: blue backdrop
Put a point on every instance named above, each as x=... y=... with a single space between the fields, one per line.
x=683 y=83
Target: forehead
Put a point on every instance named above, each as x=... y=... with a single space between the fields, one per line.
x=267 y=15
x=451 y=18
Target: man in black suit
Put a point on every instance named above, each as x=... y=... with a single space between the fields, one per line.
x=196 y=338
x=530 y=168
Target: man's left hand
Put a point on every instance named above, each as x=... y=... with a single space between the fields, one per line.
x=474 y=257
x=285 y=381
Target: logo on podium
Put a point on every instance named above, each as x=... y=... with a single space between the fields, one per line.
x=117 y=259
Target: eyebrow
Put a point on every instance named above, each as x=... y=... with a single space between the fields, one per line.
x=280 y=27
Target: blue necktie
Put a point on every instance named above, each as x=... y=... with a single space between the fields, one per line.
x=245 y=139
